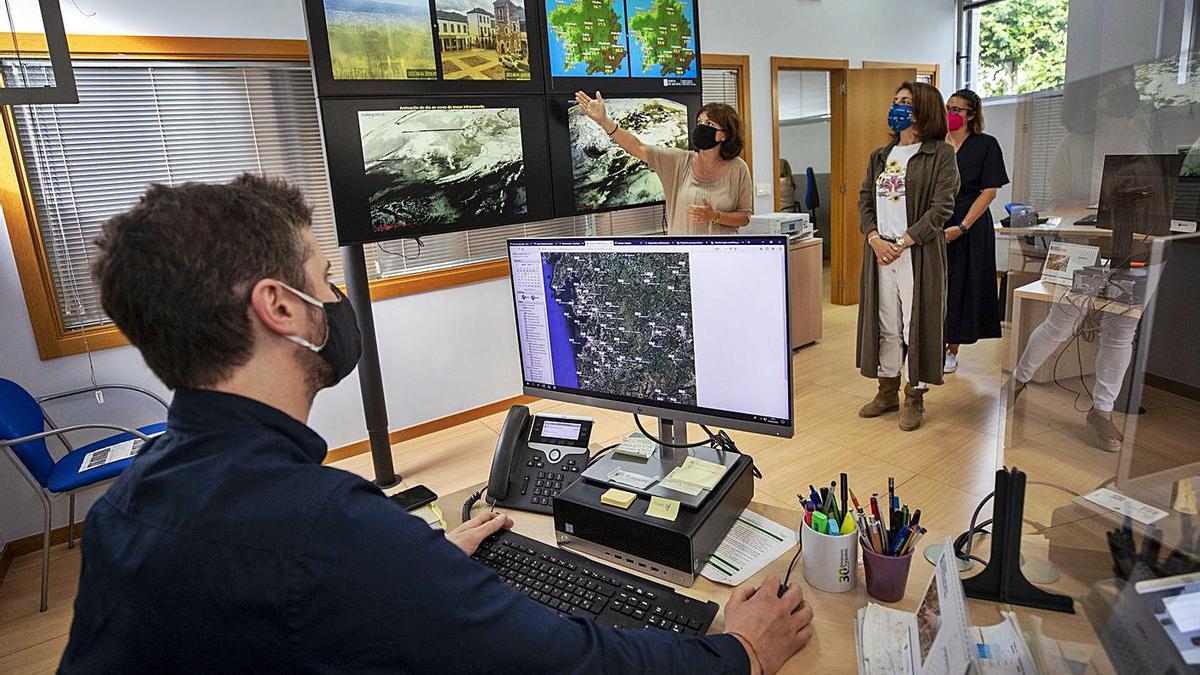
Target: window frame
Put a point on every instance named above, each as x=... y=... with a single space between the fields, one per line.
x=53 y=339
x=740 y=63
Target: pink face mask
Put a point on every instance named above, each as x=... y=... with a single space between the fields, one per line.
x=955 y=121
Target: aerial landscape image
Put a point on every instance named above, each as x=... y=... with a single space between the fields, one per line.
x=601 y=343
x=663 y=43
x=380 y=39
x=606 y=176
x=587 y=38
x=483 y=39
x=431 y=168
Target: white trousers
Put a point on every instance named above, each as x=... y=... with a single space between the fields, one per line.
x=895 y=313
x=1112 y=359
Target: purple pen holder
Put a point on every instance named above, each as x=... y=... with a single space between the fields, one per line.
x=887 y=576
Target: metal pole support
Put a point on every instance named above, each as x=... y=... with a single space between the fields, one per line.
x=370 y=378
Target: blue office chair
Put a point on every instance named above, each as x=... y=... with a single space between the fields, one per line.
x=24 y=427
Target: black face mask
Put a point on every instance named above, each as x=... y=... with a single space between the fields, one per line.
x=1122 y=101
x=343 y=341
x=704 y=137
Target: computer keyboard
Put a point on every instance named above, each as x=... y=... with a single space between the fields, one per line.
x=571 y=584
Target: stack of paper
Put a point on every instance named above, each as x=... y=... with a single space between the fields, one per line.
x=752 y=543
x=694 y=476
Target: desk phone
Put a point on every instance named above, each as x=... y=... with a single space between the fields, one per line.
x=536 y=457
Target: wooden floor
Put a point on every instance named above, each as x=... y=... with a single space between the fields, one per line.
x=945 y=468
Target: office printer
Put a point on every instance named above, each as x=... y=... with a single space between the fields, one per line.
x=795 y=225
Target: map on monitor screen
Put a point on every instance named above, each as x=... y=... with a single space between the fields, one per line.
x=434 y=167
x=602 y=336
x=662 y=38
x=380 y=39
x=587 y=38
x=607 y=177
x=483 y=39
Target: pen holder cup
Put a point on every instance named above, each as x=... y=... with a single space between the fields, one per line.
x=830 y=561
x=887 y=576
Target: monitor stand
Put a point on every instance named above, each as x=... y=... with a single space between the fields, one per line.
x=659 y=464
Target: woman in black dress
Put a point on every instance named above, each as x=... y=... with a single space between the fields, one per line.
x=972 y=309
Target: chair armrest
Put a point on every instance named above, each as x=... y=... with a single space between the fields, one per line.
x=73 y=427
x=85 y=390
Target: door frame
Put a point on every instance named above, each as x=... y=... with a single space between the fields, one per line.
x=933 y=70
x=741 y=64
x=837 y=119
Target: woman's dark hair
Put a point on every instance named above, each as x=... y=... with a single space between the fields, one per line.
x=974 y=124
x=175 y=271
x=929 y=111
x=727 y=118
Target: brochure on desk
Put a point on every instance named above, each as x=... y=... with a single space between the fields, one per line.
x=936 y=640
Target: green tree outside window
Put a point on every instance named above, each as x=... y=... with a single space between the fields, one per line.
x=1022 y=46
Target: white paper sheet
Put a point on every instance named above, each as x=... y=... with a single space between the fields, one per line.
x=112 y=453
x=889 y=649
x=1119 y=503
x=752 y=543
x=1001 y=649
x=1184 y=611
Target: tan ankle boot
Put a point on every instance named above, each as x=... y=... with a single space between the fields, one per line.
x=886 y=399
x=913 y=411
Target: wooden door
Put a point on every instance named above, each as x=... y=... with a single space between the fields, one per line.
x=859 y=126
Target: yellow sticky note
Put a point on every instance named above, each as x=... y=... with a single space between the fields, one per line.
x=618 y=498
x=667 y=509
x=701 y=472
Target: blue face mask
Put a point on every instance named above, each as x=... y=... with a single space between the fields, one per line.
x=900 y=117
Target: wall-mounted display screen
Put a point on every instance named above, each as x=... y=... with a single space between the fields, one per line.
x=622 y=45
x=592 y=173
x=415 y=167
x=397 y=47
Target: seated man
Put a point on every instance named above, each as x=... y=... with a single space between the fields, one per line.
x=226 y=546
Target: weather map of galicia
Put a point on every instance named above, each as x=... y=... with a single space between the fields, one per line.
x=587 y=38
x=602 y=344
x=662 y=38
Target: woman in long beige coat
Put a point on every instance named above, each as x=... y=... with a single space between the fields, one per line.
x=906 y=198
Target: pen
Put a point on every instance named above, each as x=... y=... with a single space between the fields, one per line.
x=898 y=541
x=904 y=515
x=834 y=501
x=857 y=506
x=824 y=499
x=912 y=541
x=872 y=530
x=891 y=498
x=916 y=518
x=832 y=511
x=883 y=537
x=875 y=507
x=815 y=496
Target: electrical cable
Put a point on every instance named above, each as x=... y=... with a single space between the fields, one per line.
x=469 y=504
x=967 y=538
x=685 y=446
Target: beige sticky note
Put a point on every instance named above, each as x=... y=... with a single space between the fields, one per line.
x=667 y=509
x=1185 y=497
x=618 y=498
x=701 y=472
x=672 y=482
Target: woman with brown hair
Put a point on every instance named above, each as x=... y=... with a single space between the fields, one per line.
x=972 y=306
x=708 y=189
x=906 y=198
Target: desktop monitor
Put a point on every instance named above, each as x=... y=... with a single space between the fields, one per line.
x=1142 y=186
x=691 y=329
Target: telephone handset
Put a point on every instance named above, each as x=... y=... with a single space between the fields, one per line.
x=536 y=457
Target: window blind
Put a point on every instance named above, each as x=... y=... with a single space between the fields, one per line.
x=720 y=86
x=170 y=122
x=1046 y=131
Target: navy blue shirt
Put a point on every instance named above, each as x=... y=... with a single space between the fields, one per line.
x=226 y=546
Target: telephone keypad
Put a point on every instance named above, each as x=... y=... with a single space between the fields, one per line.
x=545 y=480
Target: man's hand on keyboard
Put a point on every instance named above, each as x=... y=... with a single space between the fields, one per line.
x=774 y=627
x=469 y=535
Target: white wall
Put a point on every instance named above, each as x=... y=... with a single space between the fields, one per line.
x=913 y=31
x=449 y=350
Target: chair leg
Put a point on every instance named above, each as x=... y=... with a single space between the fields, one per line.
x=45 y=553
x=71 y=523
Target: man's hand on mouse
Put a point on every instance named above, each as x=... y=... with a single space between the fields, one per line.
x=770 y=627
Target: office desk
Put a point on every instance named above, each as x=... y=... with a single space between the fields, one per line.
x=832 y=649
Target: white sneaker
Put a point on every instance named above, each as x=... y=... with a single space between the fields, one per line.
x=951 y=362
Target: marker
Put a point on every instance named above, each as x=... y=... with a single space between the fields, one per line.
x=845 y=489
x=819 y=522
x=834 y=530
x=875 y=507
x=814 y=496
x=898 y=542
x=916 y=518
x=848 y=524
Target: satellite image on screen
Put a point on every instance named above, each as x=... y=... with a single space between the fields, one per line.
x=430 y=167
x=621 y=323
x=587 y=38
x=380 y=39
x=662 y=38
x=606 y=176
x=483 y=39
